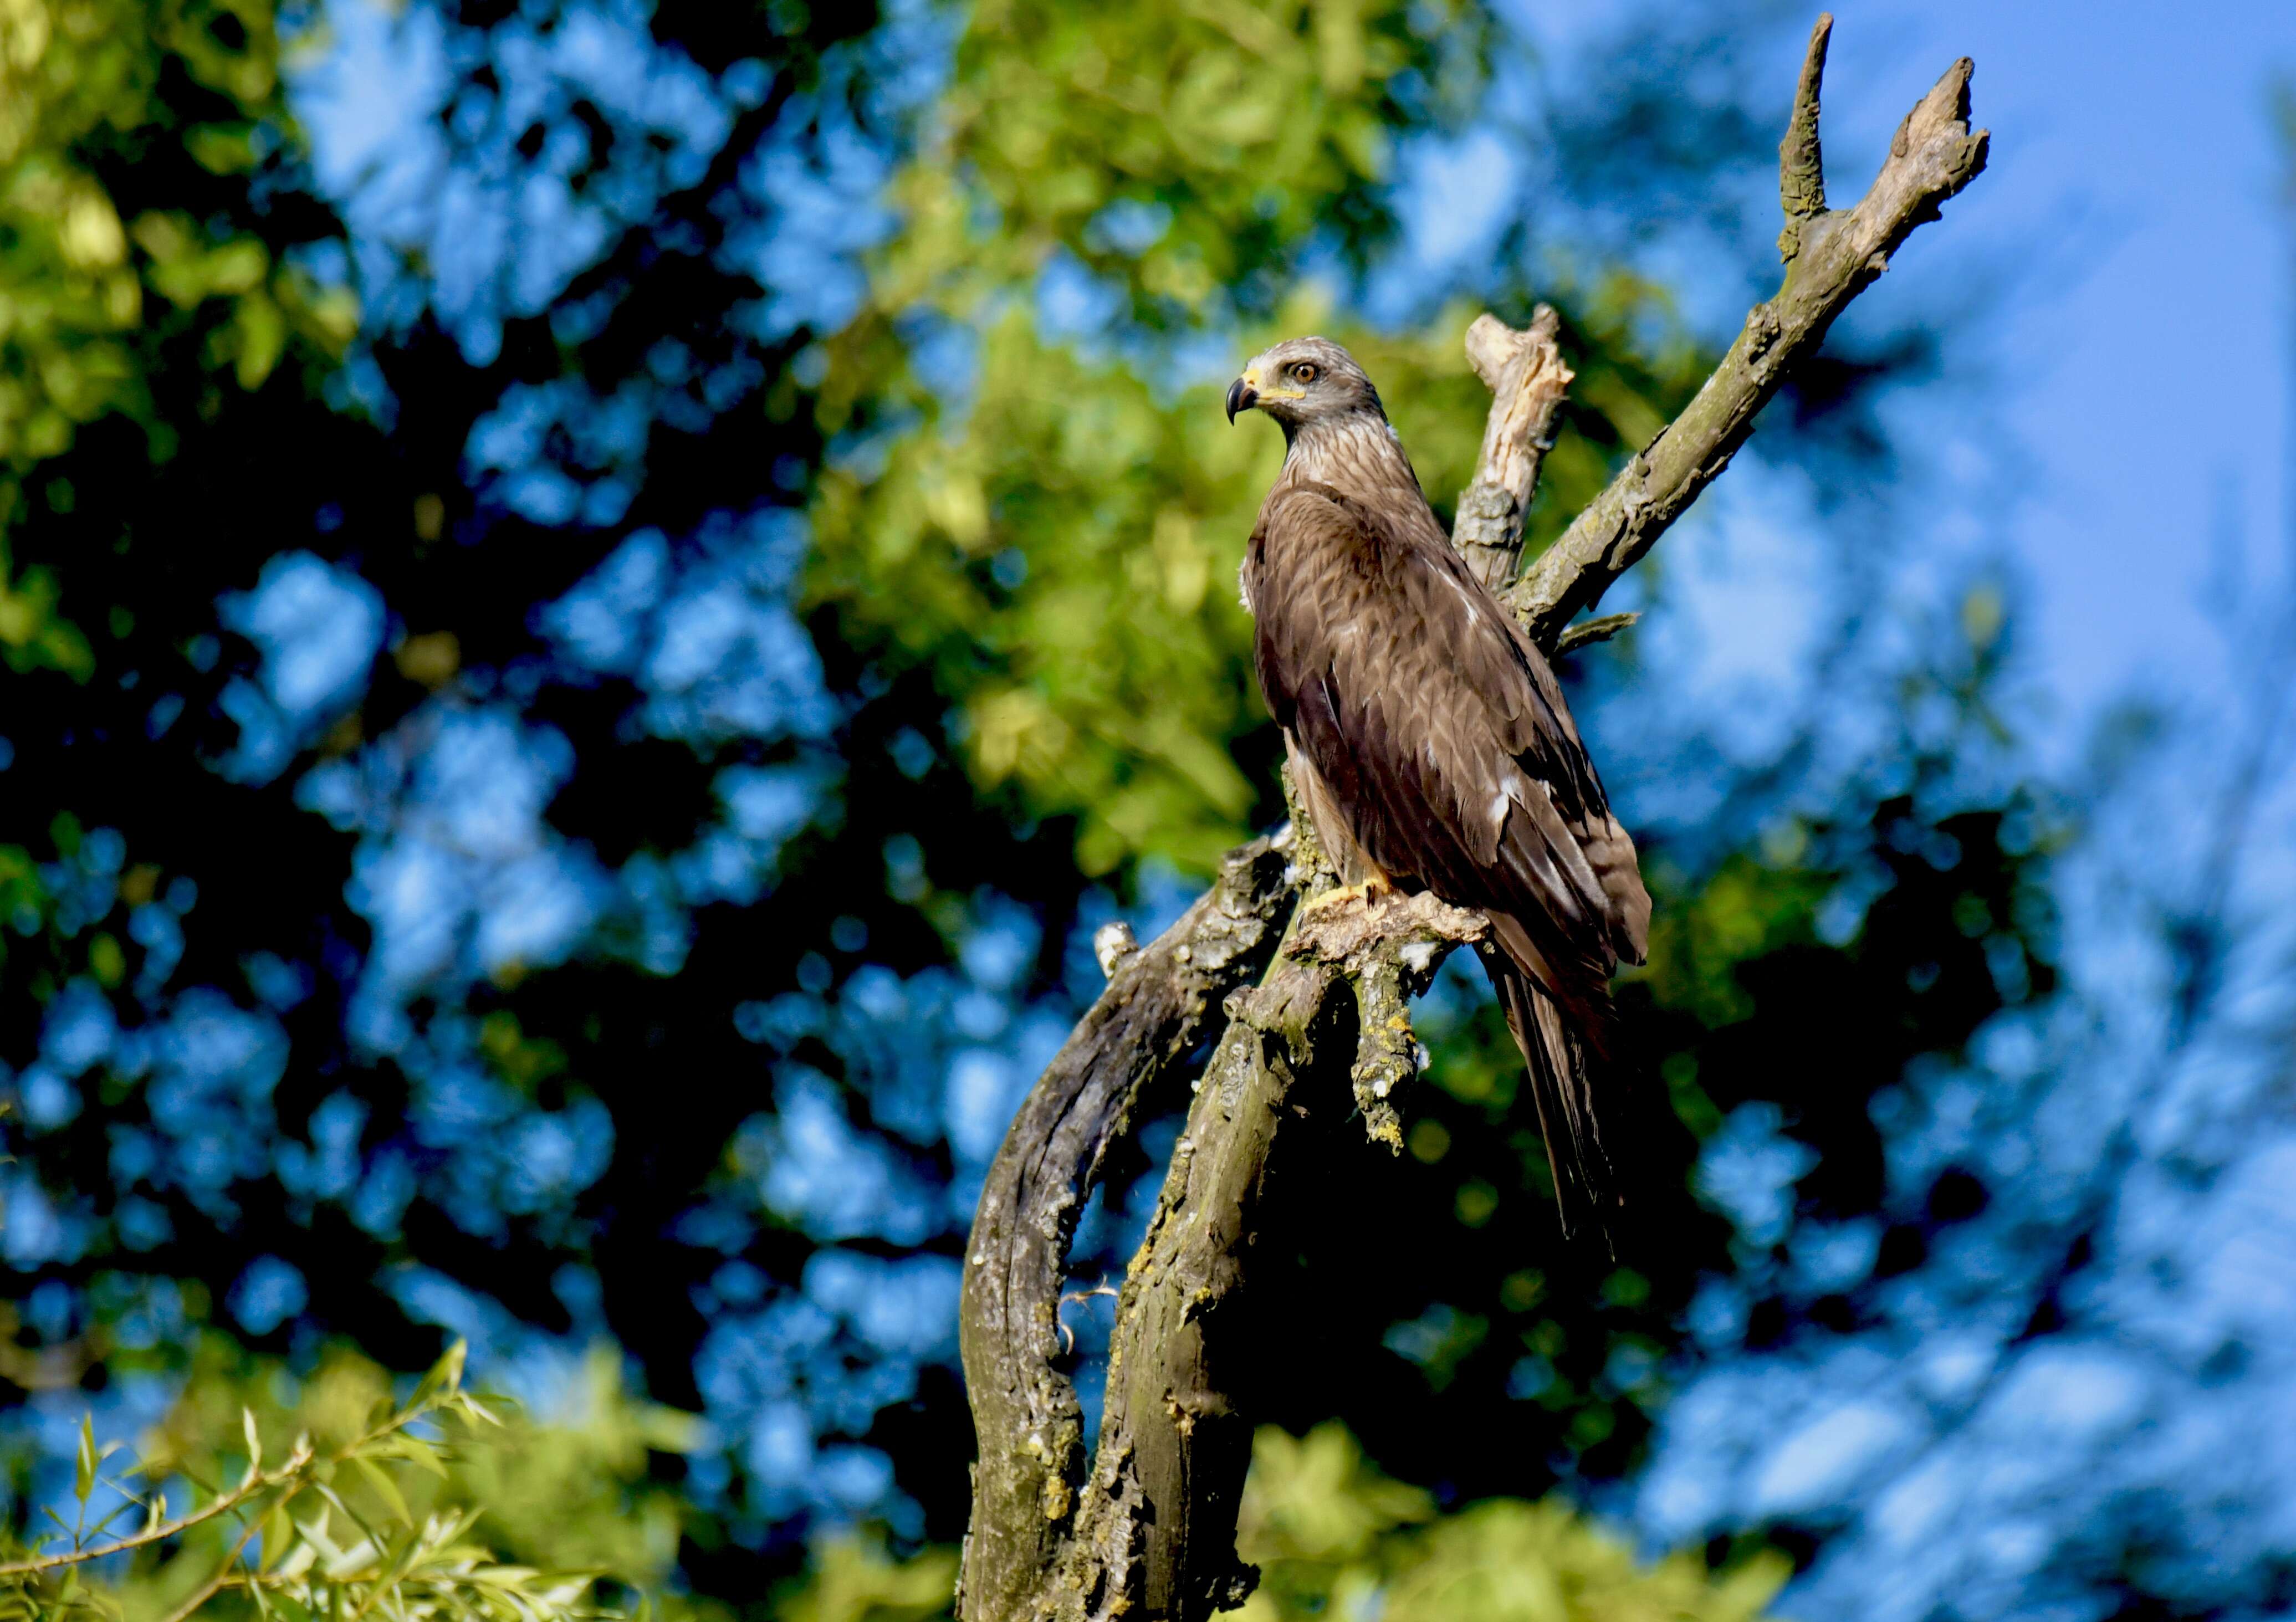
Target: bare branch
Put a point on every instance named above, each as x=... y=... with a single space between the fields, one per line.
x=1025 y=1413
x=298 y=1465
x=1527 y=377
x=1831 y=256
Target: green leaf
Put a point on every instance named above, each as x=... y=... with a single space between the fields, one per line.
x=84 y=1481
x=444 y=1380
x=380 y=1479
x=416 y=1451
x=371 y=1536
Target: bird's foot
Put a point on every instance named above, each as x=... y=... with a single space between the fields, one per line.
x=1369 y=892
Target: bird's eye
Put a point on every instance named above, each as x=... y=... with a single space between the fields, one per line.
x=1304 y=372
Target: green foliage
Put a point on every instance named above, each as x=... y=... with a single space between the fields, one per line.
x=855 y=1579
x=1235 y=131
x=1042 y=547
x=436 y=1505
x=105 y=277
x=1055 y=547
x=1747 y=909
x=1060 y=558
x=24 y=903
x=360 y=1516
x=1334 y=1537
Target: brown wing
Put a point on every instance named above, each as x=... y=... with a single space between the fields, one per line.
x=1439 y=732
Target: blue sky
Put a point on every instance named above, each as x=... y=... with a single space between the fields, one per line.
x=2109 y=302
x=2138 y=354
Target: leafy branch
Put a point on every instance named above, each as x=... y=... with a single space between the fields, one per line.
x=289 y=1540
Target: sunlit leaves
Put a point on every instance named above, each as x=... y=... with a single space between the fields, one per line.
x=1333 y=1536
x=854 y=1579
x=81 y=82
x=1744 y=911
x=32 y=634
x=1061 y=557
x=1185 y=150
x=1046 y=521
x=1053 y=533
x=362 y=1519
x=89 y=297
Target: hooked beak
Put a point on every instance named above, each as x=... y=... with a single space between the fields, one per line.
x=1242 y=394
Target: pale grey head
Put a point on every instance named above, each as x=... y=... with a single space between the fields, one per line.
x=1305 y=381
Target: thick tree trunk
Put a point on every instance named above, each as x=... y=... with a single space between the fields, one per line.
x=1145 y=1528
x=1159 y=1005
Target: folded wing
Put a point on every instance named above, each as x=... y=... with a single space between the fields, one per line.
x=1441 y=736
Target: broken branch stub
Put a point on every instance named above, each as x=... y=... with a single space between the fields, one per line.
x=1527 y=378
x=1801 y=160
x=1387 y=953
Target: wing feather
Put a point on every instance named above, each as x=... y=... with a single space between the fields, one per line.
x=1438 y=731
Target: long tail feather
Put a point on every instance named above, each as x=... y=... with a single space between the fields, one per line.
x=1561 y=1060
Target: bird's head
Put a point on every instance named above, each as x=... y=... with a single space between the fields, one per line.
x=1304 y=381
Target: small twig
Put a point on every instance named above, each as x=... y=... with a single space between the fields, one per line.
x=254 y=1487
x=1588 y=632
x=1068 y=1335
x=208 y=1590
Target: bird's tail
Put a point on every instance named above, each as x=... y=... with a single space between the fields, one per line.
x=1562 y=1054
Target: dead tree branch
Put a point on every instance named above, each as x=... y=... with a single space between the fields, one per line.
x=1156 y=1011
x=1156 y=1536
x=1146 y=1530
x=1831 y=255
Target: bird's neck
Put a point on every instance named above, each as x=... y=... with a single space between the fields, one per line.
x=1357 y=451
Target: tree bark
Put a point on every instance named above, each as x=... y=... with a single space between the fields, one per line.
x=1146 y=1528
x=1029 y=1424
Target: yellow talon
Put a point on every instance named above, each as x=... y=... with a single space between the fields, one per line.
x=1367 y=892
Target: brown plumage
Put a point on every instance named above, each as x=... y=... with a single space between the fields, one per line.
x=1430 y=740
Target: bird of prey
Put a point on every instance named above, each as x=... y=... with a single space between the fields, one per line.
x=1429 y=743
